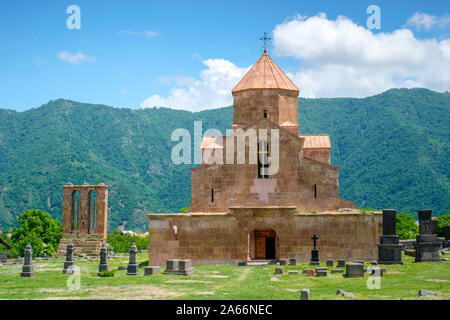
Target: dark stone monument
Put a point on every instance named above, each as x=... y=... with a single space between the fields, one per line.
x=389 y=248
x=292 y=262
x=103 y=266
x=283 y=262
x=434 y=226
x=27 y=268
x=133 y=267
x=278 y=271
x=321 y=273
x=337 y=271
x=330 y=263
x=341 y=263
x=354 y=270
x=150 y=271
x=70 y=262
x=427 y=243
x=447 y=236
x=185 y=268
x=315 y=253
x=304 y=295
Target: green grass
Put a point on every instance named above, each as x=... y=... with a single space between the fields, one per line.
x=219 y=282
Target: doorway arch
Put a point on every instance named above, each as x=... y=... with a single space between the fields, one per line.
x=263 y=244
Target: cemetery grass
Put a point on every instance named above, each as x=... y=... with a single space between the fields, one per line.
x=220 y=282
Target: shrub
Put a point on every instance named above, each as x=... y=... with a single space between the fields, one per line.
x=40 y=230
x=406 y=226
x=107 y=274
x=122 y=242
x=182 y=210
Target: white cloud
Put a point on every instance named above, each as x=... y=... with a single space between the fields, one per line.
x=426 y=21
x=340 y=58
x=212 y=90
x=74 y=58
x=146 y=33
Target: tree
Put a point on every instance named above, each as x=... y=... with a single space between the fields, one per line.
x=443 y=221
x=40 y=230
x=406 y=226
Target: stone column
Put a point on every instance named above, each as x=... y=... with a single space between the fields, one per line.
x=84 y=212
x=67 y=208
x=102 y=210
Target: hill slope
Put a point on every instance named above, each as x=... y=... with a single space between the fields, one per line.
x=393 y=150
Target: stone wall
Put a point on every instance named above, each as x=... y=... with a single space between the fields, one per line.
x=225 y=238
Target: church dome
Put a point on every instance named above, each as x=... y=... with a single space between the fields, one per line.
x=265 y=74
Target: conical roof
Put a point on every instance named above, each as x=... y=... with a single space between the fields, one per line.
x=265 y=74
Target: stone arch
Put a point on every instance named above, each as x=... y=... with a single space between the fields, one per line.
x=92 y=210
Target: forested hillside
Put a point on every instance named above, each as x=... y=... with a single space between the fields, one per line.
x=393 y=150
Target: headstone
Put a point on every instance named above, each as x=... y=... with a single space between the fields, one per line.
x=389 y=248
x=330 y=263
x=423 y=292
x=151 y=270
x=185 y=268
x=345 y=293
x=304 y=271
x=27 y=268
x=103 y=266
x=304 y=295
x=337 y=271
x=283 y=262
x=133 y=267
x=321 y=273
x=315 y=253
x=341 y=263
x=427 y=243
x=292 y=262
x=171 y=266
x=70 y=262
x=447 y=236
x=354 y=270
x=293 y=272
x=278 y=270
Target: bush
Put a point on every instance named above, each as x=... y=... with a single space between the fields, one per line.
x=40 y=230
x=107 y=274
x=122 y=242
x=406 y=226
x=443 y=221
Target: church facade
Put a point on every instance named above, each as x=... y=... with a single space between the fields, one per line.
x=265 y=190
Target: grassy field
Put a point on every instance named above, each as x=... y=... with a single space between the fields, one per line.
x=219 y=282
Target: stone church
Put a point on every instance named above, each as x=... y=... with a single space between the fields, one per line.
x=242 y=210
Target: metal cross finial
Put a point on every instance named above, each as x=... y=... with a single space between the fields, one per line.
x=265 y=39
x=315 y=238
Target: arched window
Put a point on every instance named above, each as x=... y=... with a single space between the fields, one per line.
x=263 y=160
x=75 y=210
x=92 y=211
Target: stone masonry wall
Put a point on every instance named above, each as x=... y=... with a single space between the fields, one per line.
x=224 y=238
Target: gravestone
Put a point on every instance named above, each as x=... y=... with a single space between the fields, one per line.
x=315 y=253
x=278 y=270
x=171 y=266
x=70 y=262
x=133 y=267
x=337 y=271
x=304 y=295
x=292 y=262
x=27 y=268
x=427 y=243
x=354 y=270
x=341 y=263
x=283 y=262
x=103 y=266
x=304 y=271
x=185 y=268
x=321 y=273
x=447 y=236
x=151 y=270
x=330 y=263
x=293 y=272
x=389 y=248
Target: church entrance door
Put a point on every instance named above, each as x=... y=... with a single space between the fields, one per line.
x=265 y=244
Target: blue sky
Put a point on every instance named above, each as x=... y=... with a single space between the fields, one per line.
x=135 y=50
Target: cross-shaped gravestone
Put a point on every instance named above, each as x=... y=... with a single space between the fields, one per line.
x=315 y=238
